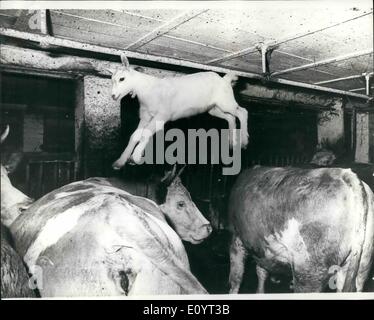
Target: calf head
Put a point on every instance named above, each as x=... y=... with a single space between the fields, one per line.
x=123 y=80
x=182 y=213
x=13 y=201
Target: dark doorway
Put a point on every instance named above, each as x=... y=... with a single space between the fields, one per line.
x=40 y=112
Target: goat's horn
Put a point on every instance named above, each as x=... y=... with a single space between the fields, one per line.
x=5 y=134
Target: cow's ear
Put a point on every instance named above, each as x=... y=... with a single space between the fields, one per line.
x=13 y=161
x=5 y=134
x=169 y=175
x=125 y=61
x=180 y=172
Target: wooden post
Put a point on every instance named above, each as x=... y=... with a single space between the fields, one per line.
x=102 y=126
x=364 y=137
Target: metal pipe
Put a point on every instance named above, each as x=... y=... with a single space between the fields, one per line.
x=358 y=89
x=367 y=82
x=66 y=43
x=43 y=21
x=164 y=28
x=325 y=61
x=356 y=76
x=264 y=61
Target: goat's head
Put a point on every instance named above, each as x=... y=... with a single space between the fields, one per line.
x=13 y=201
x=123 y=80
x=181 y=211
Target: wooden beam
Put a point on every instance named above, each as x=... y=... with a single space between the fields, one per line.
x=65 y=43
x=37 y=72
x=253 y=48
x=165 y=28
x=325 y=61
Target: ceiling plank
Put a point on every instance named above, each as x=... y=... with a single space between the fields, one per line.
x=136 y=15
x=324 y=62
x=66 y=43
x=165 y=28
x=284 y=40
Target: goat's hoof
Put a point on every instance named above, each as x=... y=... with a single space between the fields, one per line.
x=136 y=158
x=117 y=165
x=131 y=162
x=244 y=142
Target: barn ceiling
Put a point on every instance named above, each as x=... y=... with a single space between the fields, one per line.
x=329 y=44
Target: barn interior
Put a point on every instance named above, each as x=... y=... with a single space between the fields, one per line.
x=306 y=81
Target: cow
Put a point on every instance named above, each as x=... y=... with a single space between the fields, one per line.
x=14 y=278
x=169 y=99
x=315 y=224
x=90 y=238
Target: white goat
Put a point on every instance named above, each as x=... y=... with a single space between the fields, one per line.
x=169 y=99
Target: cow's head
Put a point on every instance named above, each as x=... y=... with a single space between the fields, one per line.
x=182 y=213
x=13 y=201
x=323 y=158
x=124 y=80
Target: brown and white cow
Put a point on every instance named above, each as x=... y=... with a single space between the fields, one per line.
x=317 y=224
x=14 y=278
x=89 y=238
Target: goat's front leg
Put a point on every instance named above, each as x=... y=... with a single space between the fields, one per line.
x=134 y=139
x=155 y=125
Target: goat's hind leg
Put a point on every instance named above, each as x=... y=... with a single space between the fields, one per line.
x=156 y=124
x=242 y=114
x=216 y=112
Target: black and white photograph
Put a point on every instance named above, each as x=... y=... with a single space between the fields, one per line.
x=187 y=150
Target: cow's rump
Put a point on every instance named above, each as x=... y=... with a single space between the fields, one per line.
x=307 y=219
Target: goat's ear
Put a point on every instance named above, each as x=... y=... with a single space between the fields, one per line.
x=125 y=61
x=13 y=161
x=139 y=69
x=107 y=71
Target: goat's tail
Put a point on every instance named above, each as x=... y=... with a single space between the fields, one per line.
x=231 y=77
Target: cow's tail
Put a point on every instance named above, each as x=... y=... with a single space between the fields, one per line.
x=231 y=78
x=158 y=253
x=362 y=209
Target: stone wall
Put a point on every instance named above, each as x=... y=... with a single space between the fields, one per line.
x=102 y=126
